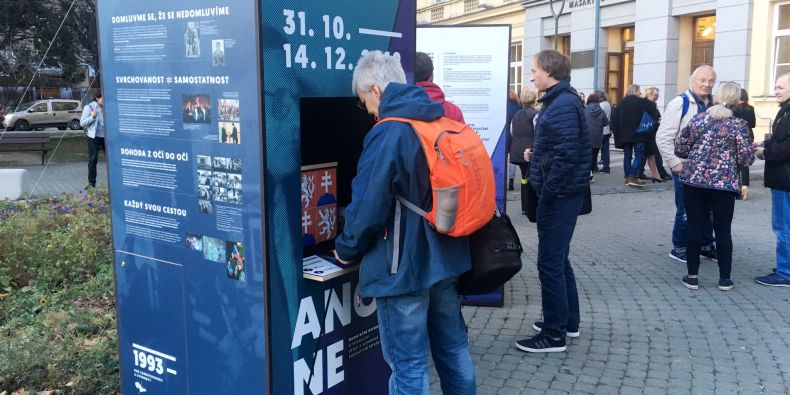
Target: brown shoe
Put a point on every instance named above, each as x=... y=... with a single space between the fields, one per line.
x=634 y=182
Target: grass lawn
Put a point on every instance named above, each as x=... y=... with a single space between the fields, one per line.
x=63 y=148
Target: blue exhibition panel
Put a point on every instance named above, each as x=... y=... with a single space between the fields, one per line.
x=206 y=107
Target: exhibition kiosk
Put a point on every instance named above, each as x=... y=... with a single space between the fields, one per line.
x=232 y=138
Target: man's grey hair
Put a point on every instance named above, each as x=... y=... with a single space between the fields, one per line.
x=376 y=68
x=699 y=69
x=784 y=75
x=633 y=90
x=651 y=90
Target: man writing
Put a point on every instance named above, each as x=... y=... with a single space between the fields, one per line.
x=92 y=122
x=697 y=99
x=409 y=268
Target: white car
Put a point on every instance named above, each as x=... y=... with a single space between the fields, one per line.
x=60 y=113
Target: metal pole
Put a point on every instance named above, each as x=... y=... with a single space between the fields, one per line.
x=556 y=21
x=597 y=44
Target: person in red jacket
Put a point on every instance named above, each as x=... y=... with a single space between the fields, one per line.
x=423 y=77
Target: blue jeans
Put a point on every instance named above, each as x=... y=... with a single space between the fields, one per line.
x=681 y=223
x=631 y=168
x=412 y=324
x=780 y=222
x=556 y=222
x=605 y=151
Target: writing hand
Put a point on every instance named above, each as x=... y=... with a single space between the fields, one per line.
x=337 y=258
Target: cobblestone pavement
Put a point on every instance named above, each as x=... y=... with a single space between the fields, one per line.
x=642 y=332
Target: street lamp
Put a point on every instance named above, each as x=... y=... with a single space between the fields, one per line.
x=556 y=16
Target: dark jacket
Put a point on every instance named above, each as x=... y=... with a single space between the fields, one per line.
x=746 y=112
x=596 y=121
x=512 y=108
x=522 y=134
x=626 y=117
x=561 y=156
x=435 y=92
x=393 y=163
x=777 y=151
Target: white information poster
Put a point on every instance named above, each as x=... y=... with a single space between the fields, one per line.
x=471 y=65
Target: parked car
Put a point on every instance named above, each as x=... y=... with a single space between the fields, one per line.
x=60 y=113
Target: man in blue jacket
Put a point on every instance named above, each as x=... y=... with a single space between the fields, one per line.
x=560 y=172
x=409 y=268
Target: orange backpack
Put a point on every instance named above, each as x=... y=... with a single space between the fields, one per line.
x=462 y=178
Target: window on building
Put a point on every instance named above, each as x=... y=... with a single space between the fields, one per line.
x=704 y=40
x=614 y=61
x=471 y=5
x=516 y=67
x=629 y=34
x=781 y=40
x=620 y=64
x=437 y=14
x=565 y=45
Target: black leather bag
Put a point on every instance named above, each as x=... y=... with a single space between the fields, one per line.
x=587 y=202
x=496 y=257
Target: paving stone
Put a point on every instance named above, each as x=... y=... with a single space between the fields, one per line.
x=641 y=329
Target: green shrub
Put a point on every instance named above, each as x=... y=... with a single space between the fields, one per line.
x=57 y=309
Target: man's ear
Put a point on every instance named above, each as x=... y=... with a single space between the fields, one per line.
x=430 y=79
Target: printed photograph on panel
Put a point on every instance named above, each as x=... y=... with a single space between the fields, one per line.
x=214 y=249
x=229 y=133
x=192 y=39
x=196 y=108
x=218 y=53
x=228 y=110
x=235 y=267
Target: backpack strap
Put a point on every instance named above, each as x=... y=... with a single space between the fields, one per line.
x=411 y=206
x=685 y=111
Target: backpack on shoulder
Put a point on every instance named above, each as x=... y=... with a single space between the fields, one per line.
x=464 y=202
x=462 y=178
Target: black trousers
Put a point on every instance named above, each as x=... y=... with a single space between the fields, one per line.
x=594 y=159
x=94 y=145
x=524 y=167
x=698 y=202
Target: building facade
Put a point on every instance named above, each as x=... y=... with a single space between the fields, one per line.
x=648 y=42
x=770 y=57
x=482 y=12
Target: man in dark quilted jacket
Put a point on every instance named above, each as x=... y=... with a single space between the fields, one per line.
x=560 y=172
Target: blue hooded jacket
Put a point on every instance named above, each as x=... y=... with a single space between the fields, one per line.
x=562 y=154
x=393 y=163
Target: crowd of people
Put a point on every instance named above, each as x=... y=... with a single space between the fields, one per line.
x=705 y=138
